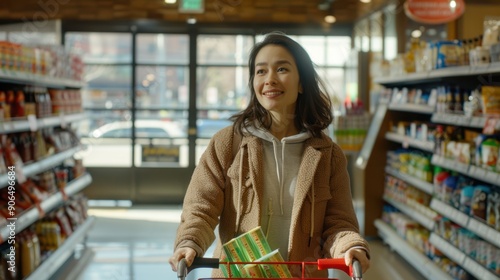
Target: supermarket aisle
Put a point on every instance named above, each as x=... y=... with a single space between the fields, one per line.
x=135 y=244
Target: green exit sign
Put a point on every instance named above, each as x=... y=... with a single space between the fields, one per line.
x=192 y=6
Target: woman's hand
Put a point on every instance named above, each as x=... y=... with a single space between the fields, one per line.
x=182 y=253
x=360 y=255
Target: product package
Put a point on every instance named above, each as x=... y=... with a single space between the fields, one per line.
x=252 y=246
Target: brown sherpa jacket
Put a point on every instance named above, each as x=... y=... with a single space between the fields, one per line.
x=323 y=223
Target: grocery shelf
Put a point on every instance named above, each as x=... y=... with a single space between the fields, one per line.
x=479 y=228
x=31 y=123
x=32 y=215
x=450 y=164
x=42 y=165
x=414 y=182
x=28 y=78
x=415 y=108
x=417 y=259
x=407 y=141
x=413 y=213
x=437 y=74
x=467 y=263
x=461 y=120
x=468 y=170
x=56 y=260
x=450 y=212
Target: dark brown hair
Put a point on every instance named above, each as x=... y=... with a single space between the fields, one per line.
x=313 y=111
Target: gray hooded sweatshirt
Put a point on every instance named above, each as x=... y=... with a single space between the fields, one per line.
x=281 y=163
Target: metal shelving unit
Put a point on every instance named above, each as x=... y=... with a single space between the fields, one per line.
x=480 y=228
x=418 y=260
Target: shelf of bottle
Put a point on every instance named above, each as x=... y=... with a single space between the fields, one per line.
x=33 y=214
x=407 y=141
x=41 y=165
x=415 y=182
x=57 y=259
x=33 y=79
x=456 y=255
x=459 y=120
x=31 y=123
x=459 y=71
x=425 y=219
x=417 y=259
x=412 y=108
x=472 y=224
x=470 y=170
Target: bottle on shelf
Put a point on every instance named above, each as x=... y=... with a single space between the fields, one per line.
x=4 y=106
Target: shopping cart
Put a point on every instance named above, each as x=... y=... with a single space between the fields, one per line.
x=354 y=271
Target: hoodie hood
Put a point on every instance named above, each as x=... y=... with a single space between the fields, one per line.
x=266 y=135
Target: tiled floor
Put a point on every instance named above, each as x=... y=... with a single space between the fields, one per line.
x=135 y=243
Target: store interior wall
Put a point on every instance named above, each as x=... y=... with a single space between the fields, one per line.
x=167 y=185
x=470 y=24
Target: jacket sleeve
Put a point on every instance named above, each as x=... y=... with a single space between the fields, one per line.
x=204 y=199
x=341 y=231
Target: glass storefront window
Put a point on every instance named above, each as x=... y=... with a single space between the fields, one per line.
x=162 y=49
x=376 y=39
x=108 y=141
x=223 y=49
x=222 y=87
x=338 y=50
x=162 y=87
x=172 y=122
x=107 y=87
x=390 y=33
x=334 y=82
x=100 y=47
x=315 y=47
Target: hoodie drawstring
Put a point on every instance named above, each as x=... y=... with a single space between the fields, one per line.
x=279 y=172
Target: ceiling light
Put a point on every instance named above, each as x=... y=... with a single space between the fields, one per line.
x=365 y=1
x=170 y=1
x=330 y=19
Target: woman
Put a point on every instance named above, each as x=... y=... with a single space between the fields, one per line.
x=286 y=176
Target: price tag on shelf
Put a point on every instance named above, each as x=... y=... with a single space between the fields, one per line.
x=64 y=120
x=476 y=172
x=478 y=227
x=448 y=118
x=8 y=126
x=458 y=166
x=484 y=231
x=475 y=269
x=493 y=177
x=406 y=142
x=460 y=218
x=493 y=235
x=463 y=120
x=32 y=122
x=478 y=122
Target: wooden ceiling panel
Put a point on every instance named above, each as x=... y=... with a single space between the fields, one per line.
x=228 y=11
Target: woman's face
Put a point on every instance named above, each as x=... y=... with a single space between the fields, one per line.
x=276 y=82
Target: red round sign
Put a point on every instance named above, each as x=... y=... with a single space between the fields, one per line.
x=434 y=11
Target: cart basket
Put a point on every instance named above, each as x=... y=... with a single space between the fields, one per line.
x=354 y=270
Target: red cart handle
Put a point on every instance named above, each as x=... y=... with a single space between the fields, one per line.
x=353 y=270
